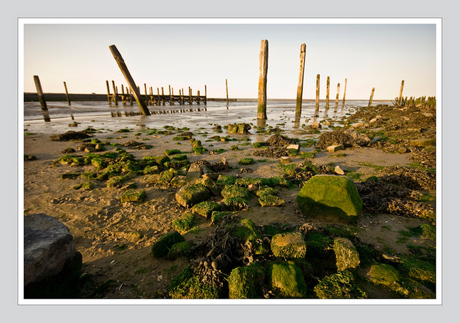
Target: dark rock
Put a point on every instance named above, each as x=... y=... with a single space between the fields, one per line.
x=70 y=135
x=52 y=265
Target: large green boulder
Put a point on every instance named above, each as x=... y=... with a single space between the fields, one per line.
x=192 y=194
x=206 y=208
x=246 y=282
x=339 y=286
x=288 y=245
x=287 y=281
x=330 y=195
x=346 y=254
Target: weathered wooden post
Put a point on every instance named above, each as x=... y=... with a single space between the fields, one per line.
x=401 y=92
x=41 y=98
x=162 y=96
x=372 y=96
x=67 y=94
x=124 y=69
x=344 y=93
x=109 y=97
x=198 y=99
x=205 y=95
x=328 y=83
x=337 y=96
x=298 y=106
x=317 y=93
x=263 y=70
x=190 y=95
x=115 y=94
x=226 y=89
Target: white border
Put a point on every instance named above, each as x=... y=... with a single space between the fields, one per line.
x=264 y=302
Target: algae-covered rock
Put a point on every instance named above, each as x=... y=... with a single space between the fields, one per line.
x=217 y=215
x=329 y=195
x=195 y=288
x=184 y=223
x=246 y=230
x=388 y=276
x=241 y=128
x=339 y=286
x=151 y=170
x=345 y=253
x=168 y=175
x=206 y=208
x=287 y=281
x=192 y=194
x=288 y=245
x=266 y=191
x=236 y=191
x=161 y=247
x=178 y=250
x=133 y=196
x=246 y=282
x=270 y=200
x=235 y=204
x=212 y=186
x=225 y=180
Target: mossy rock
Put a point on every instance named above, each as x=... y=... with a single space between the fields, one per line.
x=151 y=170
x=235 y=204
x=87 y=186
x=271 y=200
x=259 y=144
x=212 y=186
x=32 y=157
x=225 y=180
x=287 y=281
x=246 y=231
x=266 y=191
x=133 y=196
x=169 y=152
x=328 y=195
x=246 y=161
x=161 y=247
x=317 y=243
x=236 y=191
x=177 y=164
x=179 y=250
x=167 y=175
x=130 y=166
x=217 y=215
x=179 y=157
x=98 y=163
x=73 y=160
x=192 y=194
x=184 y=223
x=246 y=282
x=289 y=245
x=388 y=276
x=195 y=288
x=345 y=253
x=199 y=150
x=339 y=286
x=116 y=181
x=206 y=208
x=419 y=270
x=241 y=128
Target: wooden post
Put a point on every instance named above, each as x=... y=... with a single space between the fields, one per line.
x=115 y=94
x=226 y=89
x=67 y=94
x=372 y=96
x=41 y=98
x=317 y=93
x=344 y=93
x=337 y=96
x=205 y=95
x=401 y=92
x=190 y=95
x=198 y=100
x=328 y=83
x=108 y=92
x=263 y=70
x=162 y=96
x=298 y=106
x=124 y=69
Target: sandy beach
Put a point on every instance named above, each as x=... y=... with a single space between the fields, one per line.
x=115 y=238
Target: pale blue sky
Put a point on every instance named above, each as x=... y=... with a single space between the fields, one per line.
x=182 y=55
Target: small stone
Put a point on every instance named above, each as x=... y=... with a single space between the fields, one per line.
x=296 y=147
x=334 y=148
x=316 y=125
x=285 y=160
x=338 y=170
x=252 y=187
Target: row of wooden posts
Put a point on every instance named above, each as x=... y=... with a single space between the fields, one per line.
x=154 y=99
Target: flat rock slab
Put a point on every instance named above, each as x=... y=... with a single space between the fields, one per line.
x=48 y=247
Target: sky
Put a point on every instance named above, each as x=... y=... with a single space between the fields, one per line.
x=196 y=53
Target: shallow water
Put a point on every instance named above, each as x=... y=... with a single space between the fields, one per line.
x=280 y=113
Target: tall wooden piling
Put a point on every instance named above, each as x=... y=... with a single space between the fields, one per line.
x=226 y=89
x=328 y=83
x=205 y=95
x=337 y=96
x=41 y=98
x=298 y=106
x=263 y=70
x=344 y=93
x=124 y=69
x=67 y=94
x=401 y=92
x=372 y=96
x=109 y=98
x=317 y=92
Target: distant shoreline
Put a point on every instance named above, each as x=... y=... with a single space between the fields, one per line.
x=33 y=97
